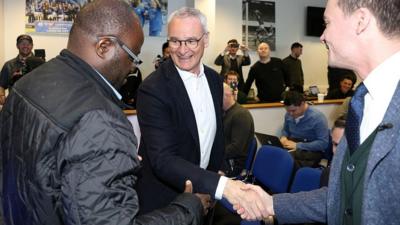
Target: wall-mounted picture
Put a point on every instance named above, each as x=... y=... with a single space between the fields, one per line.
x=258 y=23
x=57 y=16
x=51 y=16
x=153 y=16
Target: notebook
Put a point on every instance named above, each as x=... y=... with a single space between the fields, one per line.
x=266 y=139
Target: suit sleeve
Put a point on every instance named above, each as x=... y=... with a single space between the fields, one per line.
x=97 y=165
x=163 y=138
x=301 y=207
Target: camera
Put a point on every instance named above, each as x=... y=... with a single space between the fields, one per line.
x=233 y=45
x=233 y=85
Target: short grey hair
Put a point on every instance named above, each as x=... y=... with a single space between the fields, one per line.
x=186 y=12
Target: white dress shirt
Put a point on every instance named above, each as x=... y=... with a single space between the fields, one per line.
x=204 y=112
x=381 y=84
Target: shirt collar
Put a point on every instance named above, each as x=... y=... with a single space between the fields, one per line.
x=186 y=75
x=375 y=83
x=117 y=94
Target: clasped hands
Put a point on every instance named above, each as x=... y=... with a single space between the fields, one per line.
x=251 y=202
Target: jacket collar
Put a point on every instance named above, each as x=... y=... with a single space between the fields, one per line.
x=87 y=70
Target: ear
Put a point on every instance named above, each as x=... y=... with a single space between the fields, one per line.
x=206 y=39
x=363 y=16
x=104 y=47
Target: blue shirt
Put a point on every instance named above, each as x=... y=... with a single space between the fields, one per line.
x=312 y=129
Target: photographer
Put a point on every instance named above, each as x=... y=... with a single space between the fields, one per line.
x=231 y=78
x=15 y=68
x=229 y=60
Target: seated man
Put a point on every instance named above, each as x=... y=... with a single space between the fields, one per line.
x=305 y=130
x=345 y=89
x=337 y=133
x=231 y=78
x=238 y=133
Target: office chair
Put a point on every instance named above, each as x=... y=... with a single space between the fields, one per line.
x=273 y=168
x=251 y=153
x=306 y=179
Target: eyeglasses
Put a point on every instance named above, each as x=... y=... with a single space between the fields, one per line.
x=131 y=55
x=190 y=43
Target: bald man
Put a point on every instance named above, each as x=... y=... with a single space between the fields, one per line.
x=69 y=152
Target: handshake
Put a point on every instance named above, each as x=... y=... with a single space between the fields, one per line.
x=250 y=202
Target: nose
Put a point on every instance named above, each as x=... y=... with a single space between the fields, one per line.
x=182 y=48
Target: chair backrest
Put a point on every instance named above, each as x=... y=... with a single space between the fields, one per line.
x=251 y=152
x=273 y=167
x=306 y=179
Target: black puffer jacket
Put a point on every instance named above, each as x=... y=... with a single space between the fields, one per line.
x=69 y=153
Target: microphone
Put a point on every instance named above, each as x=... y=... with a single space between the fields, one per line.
x=384 y=126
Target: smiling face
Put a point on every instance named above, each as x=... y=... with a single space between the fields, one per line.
x=24 y=48
x=188 y=28
x=345 y=85
x=339 y=36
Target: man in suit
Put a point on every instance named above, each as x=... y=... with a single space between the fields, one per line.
x=364 y=180
x=180 y=116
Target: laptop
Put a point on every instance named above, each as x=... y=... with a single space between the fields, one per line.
x=266 y=139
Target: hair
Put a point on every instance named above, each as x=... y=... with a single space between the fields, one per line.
x=164 y=46
x=231 y=72
x=346 y=77
x=340 y=122
x=293 y=98
x=186 y=12
x=296 y=45
x=102 y=17
x=233 y=41
x=387 y=13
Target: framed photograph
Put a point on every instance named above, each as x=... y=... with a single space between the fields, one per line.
x=51 y=16
x=57 y=16
x=258 y=23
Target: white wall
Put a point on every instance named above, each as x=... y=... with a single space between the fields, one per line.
x=224 y=21
x=1 y=32
x=267 y=120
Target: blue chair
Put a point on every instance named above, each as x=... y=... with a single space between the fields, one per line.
x=306 y=179
x=251 y=153
x=273 y=168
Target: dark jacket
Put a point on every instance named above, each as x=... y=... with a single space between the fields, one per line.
x=69 y=153
x=169 y=143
